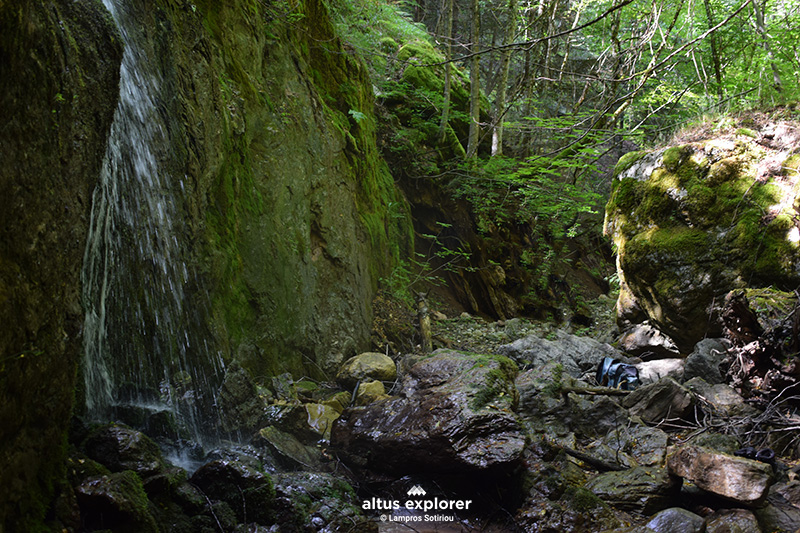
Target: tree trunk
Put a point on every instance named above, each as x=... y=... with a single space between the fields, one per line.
x=500 y=101
x=714 y=50
x=474 y=82
x=448 y=55
x=762 y=31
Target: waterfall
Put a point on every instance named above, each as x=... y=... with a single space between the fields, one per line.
x=146 y=336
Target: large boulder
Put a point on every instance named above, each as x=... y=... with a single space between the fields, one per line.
x=455 y=414
x=577 y=355
x=642 y=489
x=121 y=448
x=736 y=478
x=116 y=501
x=692 y=222
x=249 y=492
x=657 y=401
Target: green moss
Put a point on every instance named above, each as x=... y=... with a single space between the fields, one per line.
x=582 y=500
x=673 y=157
x=747 y=132
x=626 y=161
x=498 y=381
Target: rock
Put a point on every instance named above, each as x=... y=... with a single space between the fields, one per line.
x=647 y=342
x=455 y=414
x=646 y=446
x=732 y=521
x=290 y=450
x=789 y=491
x=592 y=417
x=652 y=371
x=368 y=366
x=577 y=355
x=778 y=514
x=722 y=398
x=576 y=510
x=539 y=388
x=371 y=391
x=321 y=418
x=324 y=501
x=121 y=448
x=683 y=236
x=742 y=480
x=116 y=501
x=438 y=315
x=247 y=491
x=676 y=520
x=642 y=489
x=241 y=408
x=664 y=399
x=704 y=361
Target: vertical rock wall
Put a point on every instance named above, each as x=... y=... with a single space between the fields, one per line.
x=293 y=214
x=59 y=68
x=288 y=211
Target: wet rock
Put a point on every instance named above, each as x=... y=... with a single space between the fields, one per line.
x=716 y=441
x=241 y=407
x=778 y=514
x=577 y=355
x=592 y=417
x=664 y=399
x=290 y=450
x=321 y=418
x=676 y=520
x=722 y=398
x=367 y=366
x=121 y=448
x=652 y=371
x=322 y=501
x=705 y=360
x=647 y=342
x=369 y=392
x=189 y=498
x=539 y=388
x=577 y=510
x=116 y=501
x=736 y=478
x=247 y=491
x=644 y=490
x=455 y=413
x=636 y=445
x=732 y=521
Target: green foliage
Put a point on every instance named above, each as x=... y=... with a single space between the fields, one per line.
x=425 y=269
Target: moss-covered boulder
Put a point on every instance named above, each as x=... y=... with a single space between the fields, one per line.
x=691 y=222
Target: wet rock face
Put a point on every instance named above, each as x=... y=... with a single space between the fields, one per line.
x=59 y=70
x=742 y=480
x=121 y=448
x=117 y=502
x=455 y=414
x=691 y=222
x=247 y=491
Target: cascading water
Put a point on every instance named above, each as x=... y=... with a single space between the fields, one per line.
x=147 y=344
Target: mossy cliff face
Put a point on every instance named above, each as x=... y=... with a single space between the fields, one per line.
x=59 y=69
x=692 y=222
x=293 y=215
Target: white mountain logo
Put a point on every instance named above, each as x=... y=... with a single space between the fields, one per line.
x=416 y=490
